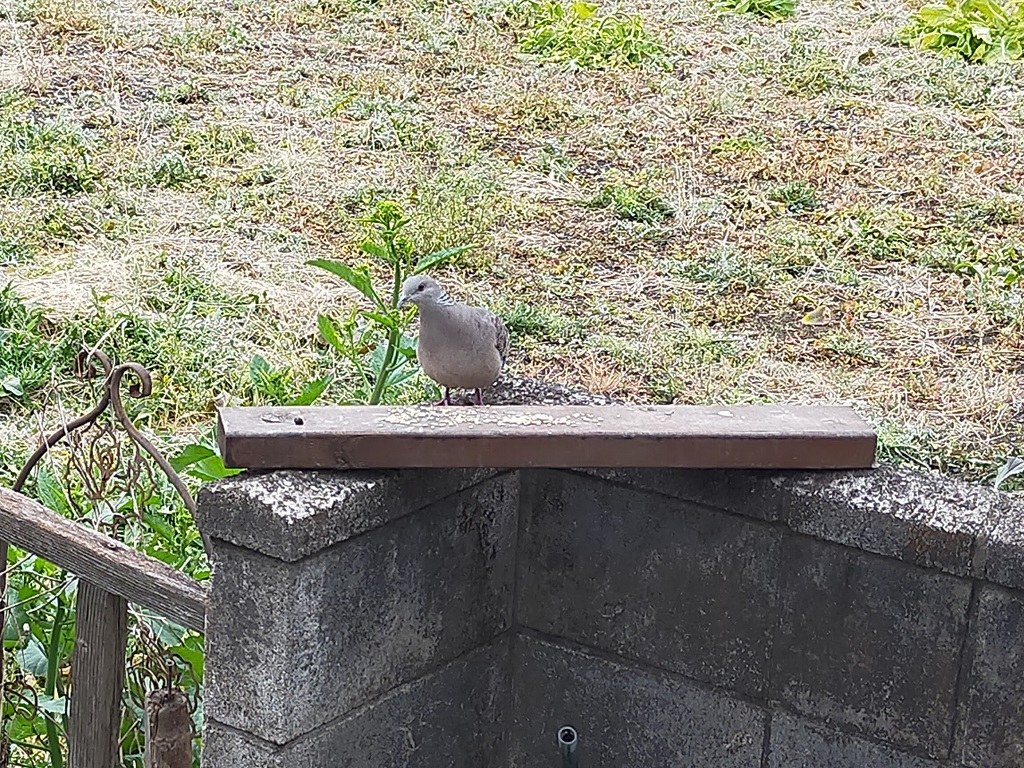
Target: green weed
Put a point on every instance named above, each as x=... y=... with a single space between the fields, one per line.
x=525 y=320
x=374 y=342
x=217 y=144
x=32 y=351
x=15 y=251
x=881 y=235
x=207 y=37
x=60 y=18
x=277 y=386
x=327 y=13
x=193 y=155
x=1011 y=468
x=773 y=10
x=725 y=268
x=31 y=225
x=173 y=170
x=189 y=92
x=455 y=205
x=699 y=346
x=979 y=30
x=852 y=348
x=528 y=320
x=906 y=444
x=993 y=282
x=811 y=70
x=581 y=34
x=184 y=317
x=796 y=196
x=551 y=159
x=752 y=142
x=633 y=202
x=43 y=156
x=540 y=111
x=384 y=123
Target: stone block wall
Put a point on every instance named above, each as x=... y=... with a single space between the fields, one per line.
x=675 y=618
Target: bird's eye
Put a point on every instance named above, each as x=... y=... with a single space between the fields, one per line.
x=421 y=287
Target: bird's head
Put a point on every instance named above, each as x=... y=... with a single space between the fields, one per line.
x=420 y=290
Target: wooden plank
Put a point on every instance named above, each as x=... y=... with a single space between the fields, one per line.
x=771 y=437
x=100 y=559
x=97 y=677
x=168 y=730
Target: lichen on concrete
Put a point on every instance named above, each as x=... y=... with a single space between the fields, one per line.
x=923 y=519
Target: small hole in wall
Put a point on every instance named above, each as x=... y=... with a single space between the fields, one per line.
x=298 y=421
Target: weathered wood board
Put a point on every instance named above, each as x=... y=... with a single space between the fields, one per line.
x=103 y=561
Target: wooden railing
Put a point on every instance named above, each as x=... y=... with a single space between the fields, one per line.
x=111 y=575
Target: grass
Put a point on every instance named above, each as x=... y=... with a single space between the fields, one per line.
x=708 y=208
x=633 y=202
x=788 y=172
x=42 y=156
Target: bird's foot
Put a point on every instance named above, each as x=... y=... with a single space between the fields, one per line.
x=446 y=400
x=479 y=397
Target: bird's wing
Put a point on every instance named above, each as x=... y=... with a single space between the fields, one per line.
x=500 y=336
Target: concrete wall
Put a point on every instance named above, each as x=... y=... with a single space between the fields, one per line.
x=675 y=618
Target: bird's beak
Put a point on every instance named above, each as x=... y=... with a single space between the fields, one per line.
x=403 y=301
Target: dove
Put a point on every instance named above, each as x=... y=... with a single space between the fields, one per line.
x=460 y=346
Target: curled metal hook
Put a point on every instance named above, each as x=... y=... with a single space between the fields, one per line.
x=85 y=368
x=89 y=364
x=143 y=388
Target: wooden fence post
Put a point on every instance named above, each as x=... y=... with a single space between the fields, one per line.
x=5 y=747
x=97 y=674
x=168 y=730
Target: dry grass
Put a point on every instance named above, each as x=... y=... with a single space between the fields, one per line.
x=814 y=166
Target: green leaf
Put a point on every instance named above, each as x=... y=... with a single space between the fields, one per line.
x=1013 y=466
x=357 y=278
x=12 y=627
x=56 y=706
x=438 y=257
x=933 y=15
x=376 y=250
x=211 y=469
x=160 y=527
x=386 y=320
x=584 y=10
x=191 y=656
x=191 y=454
x=50 y=491
x=329 y=331
x=982 y=32
x=167 y=632
x=32 y=658
x=11 y=386
x=259 y=369
x=311 y=392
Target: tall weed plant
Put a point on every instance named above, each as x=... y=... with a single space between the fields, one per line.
x=581 y=34
x=374 y=340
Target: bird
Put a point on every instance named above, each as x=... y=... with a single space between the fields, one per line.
x=460 y=346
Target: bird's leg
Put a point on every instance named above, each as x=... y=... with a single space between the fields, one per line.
x=479 y=396
x=447 y=399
